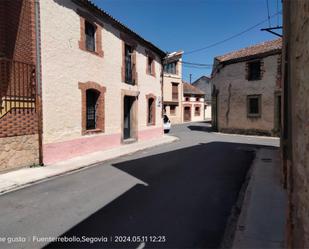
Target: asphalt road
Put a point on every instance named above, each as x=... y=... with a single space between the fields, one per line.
x=178 y=195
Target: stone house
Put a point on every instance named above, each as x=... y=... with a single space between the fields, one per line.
x=203 y=83
x=19 y=95
x=102 y=82
x=172 y=87
x=295 y=123
x=193 y=103
x=246 y=95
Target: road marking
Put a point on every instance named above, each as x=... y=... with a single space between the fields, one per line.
x=141 y=246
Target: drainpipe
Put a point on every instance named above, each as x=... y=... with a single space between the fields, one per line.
x=38 y=78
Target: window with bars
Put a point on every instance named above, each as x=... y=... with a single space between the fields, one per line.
x=254 y=70
x=254 y=106
x=92 y=97
x=90 y=30
x=128 y=64
x=151 y=111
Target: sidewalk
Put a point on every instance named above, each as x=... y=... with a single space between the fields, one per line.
x=27 y=176
x=261 y=223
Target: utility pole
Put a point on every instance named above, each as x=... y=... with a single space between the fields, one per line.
x=190 y=78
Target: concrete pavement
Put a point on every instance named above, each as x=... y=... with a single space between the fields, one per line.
x=261 y=224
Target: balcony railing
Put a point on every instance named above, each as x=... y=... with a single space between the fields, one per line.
x=17 y=87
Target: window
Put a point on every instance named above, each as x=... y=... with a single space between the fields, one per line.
x=175 y=91
x=197 y=99
x=187 y=99
x=90 y=30
x=170 y=68
x=254 y=70
x=150 y=65
x=197 y=111
x=92 y=97
x=151 y=111
x=254 y=105
x=173 y=110
x=128 y=64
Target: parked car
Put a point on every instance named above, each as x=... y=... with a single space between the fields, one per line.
x=166 y=124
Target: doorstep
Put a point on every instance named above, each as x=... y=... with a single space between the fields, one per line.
x=24 y=177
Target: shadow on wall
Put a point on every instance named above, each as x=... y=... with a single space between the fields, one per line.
x=187 y=204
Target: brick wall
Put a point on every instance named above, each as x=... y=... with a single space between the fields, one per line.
x=18 y=117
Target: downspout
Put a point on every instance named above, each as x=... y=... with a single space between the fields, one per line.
x=38 y=79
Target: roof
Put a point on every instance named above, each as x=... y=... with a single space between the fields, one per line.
x=189 y=89
x=265 y=48
x=100 y=12
x=201 y=78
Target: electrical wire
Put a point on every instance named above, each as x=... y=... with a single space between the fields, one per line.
x=231 y=37
x=267 y=4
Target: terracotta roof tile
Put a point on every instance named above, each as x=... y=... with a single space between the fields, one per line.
x=189 y=89
x=265 y=47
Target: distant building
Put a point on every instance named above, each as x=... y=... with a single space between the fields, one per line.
x=193 y=103
x=203 y=83
x=172 y=87
x=246 y=96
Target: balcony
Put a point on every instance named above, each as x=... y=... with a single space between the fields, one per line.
x=17 y=87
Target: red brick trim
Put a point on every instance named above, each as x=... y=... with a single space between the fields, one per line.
x=101 y=106
x=151 y=96
x=98 y=37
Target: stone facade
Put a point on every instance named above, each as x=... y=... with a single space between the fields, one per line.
x=18 y=151
x=233 y=90
x=295 y=135
x=66 y=66
x=19 y=145
x=172 y=105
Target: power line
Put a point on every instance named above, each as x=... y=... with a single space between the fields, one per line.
x=267 y=4
x=231 y=37
x=196 y=64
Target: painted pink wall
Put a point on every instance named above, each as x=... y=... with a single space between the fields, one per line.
x=56 y=152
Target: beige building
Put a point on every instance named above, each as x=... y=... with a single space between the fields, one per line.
x=295 y=132
x=193 y=103
x=102 y=83
x=246 y=95
x=172 y=87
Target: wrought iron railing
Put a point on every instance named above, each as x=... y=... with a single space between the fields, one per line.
x=17 y=87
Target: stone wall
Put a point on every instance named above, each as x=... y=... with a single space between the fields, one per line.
x=232 y=98
x=18 y=151
x=295 y=140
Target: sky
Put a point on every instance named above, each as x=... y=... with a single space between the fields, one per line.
x=187 y=25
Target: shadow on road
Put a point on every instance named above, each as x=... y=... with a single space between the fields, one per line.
x=200 y=128
x=187 y=204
